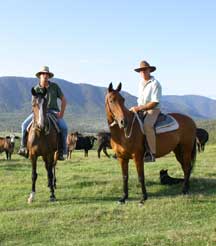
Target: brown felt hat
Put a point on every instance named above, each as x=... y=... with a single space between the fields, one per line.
x=143 y=66
x=44 y=69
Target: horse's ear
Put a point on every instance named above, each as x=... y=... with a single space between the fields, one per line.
x=33 y=92
x=110 y=88
x=119 y=87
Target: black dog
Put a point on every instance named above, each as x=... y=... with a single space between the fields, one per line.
x=165 y=179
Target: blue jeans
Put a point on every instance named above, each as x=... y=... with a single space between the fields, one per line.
x=61 y=124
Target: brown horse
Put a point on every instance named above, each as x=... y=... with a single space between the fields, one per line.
x=42 y=142
x=127 y=141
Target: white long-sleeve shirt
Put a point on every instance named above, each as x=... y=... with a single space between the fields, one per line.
x=150 y=91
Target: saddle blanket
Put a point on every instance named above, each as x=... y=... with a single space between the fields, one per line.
x=168 y=124
x=164 y=123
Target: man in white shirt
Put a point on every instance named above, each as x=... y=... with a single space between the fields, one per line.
x=149 y=97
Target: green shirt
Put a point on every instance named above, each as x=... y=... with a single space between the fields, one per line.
x=53 y=93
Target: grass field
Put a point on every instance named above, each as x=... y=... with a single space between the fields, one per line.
x=86 y=211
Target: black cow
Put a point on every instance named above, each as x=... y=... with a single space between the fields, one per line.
x=202 y=137
x=85 y=142
x=104 y=143
x=165 y=179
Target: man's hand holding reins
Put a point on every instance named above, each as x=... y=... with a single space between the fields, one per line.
x=148 y=106
x=135 y=109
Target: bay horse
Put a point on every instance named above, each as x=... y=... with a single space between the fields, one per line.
x=127 y=141
x=42 y=142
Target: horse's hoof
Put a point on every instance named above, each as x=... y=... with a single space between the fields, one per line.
x=141 y=203
x=52 y=199
x=122 y=201
x=30 y=200
x=185 y=191
x=31 y=197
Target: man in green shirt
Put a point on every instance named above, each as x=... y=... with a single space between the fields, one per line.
x=53 y=93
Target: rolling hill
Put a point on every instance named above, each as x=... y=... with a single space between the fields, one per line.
x=85 y=108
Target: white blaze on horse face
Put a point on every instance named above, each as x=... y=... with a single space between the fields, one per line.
x=41 y=115
x=12 y=137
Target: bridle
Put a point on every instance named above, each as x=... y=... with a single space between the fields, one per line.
x=116 y=123
x=36 y=126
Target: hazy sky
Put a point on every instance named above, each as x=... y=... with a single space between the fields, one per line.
x=101 y=41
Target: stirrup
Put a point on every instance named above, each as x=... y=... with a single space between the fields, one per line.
x=23 y=152
x=61 y=157
x=149 y=157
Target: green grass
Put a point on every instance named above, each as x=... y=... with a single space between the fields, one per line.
x=86 y=212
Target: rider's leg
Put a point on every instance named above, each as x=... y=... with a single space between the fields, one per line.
x=63 y=128
x=25 y=124
x=149 y=130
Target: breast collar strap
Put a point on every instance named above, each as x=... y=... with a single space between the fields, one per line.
x=114 y=122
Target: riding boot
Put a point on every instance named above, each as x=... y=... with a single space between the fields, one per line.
x=60 y=148
x=149 y=157
x=23 y=149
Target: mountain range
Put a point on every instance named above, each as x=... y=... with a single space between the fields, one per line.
x=85 y=107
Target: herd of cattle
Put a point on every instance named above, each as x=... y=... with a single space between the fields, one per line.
x=77 y=141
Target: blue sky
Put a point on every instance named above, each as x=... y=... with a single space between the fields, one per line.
x=101 y=41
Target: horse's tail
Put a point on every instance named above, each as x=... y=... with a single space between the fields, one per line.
x=193 y=155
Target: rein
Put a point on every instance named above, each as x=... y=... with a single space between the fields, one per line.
x=50 y=120
x=114 y=121
x=136 y=116
x=125 y=129
x=46 y=128
x=131 y=129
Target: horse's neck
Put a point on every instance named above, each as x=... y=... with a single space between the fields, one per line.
x=116 y=131
x=38 y=132
x=34 y=123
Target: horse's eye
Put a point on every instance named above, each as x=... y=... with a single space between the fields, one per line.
x=112 y=100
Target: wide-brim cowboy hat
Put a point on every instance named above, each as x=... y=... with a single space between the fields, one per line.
x=144 y=65
x=44 y=69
